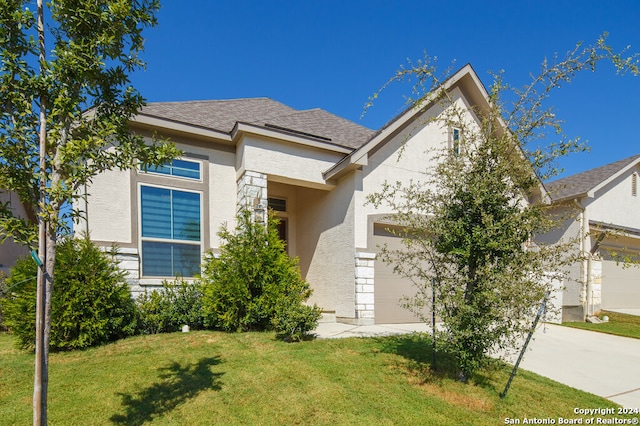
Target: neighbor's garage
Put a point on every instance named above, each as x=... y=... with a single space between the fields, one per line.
x=390 y=288
x=620 y=285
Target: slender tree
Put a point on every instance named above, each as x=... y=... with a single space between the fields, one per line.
x=469 y=226
x=65 y=100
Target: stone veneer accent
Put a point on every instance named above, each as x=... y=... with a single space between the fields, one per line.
x=252 y=193
x=596 y=287
x=365 y=270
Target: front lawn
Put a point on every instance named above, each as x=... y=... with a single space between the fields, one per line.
x=618 y=324
x=204 y=378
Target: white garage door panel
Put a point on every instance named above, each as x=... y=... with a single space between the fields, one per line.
x=390 y=288
x=620 y=286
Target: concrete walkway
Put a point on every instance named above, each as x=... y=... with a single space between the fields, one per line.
x=602 y=364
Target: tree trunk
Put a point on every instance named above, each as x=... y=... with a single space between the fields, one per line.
x=40 y=385
x=41 y=374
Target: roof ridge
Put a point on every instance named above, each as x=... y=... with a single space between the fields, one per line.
x=223 y=115
x=203 y=101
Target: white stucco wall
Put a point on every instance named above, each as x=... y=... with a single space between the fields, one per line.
x=109 y=207
x=222 y=193
x=569 y=230
x=9 y=250
x=404 y=158
x=614 y=204
x=283 y=161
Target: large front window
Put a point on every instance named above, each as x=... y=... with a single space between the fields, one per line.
x=170 y=230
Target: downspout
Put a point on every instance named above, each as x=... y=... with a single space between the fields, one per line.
x=586 y=266
x=86 y=211
x=593 y=251
x=589 y=286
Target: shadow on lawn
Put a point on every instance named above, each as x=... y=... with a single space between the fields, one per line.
x=417 y=349
x=176 y=385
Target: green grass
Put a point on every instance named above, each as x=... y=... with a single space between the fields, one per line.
x=204 y=378
x=618 y=324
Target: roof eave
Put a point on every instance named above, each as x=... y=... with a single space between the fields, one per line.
x=154 y=122
x=343 y=167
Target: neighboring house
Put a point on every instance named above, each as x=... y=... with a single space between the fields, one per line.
x=312 y=168
x=601 y=208
x=9 y=250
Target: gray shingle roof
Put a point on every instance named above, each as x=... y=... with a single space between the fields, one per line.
x=222 y=115
x=581 y=183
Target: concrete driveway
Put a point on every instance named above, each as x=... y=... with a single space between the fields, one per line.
x=602 y=364
x=598 y=363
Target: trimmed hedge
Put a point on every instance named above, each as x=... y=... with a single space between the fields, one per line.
x=167 y=310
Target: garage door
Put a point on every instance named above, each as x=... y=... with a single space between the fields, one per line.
x=620 y=285
x=390 y=288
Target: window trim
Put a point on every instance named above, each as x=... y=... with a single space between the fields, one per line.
x=142 y=239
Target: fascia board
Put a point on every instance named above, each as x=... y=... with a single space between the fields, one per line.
x=345 y=165
x=161 y=123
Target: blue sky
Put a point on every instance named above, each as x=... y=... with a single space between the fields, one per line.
x=334 y=54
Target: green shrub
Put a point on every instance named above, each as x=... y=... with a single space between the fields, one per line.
x=177 y=304
x=255 y=285
x=292 y=322
x=91 y=303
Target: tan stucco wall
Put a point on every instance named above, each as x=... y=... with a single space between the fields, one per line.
x=325 y=245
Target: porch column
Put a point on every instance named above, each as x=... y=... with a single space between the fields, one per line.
x=365 y=272
x=252 y=194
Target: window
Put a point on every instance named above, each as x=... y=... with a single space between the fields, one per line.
x=277 y=204
x=456 y=141
x=179 y=168
x=170 y=231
